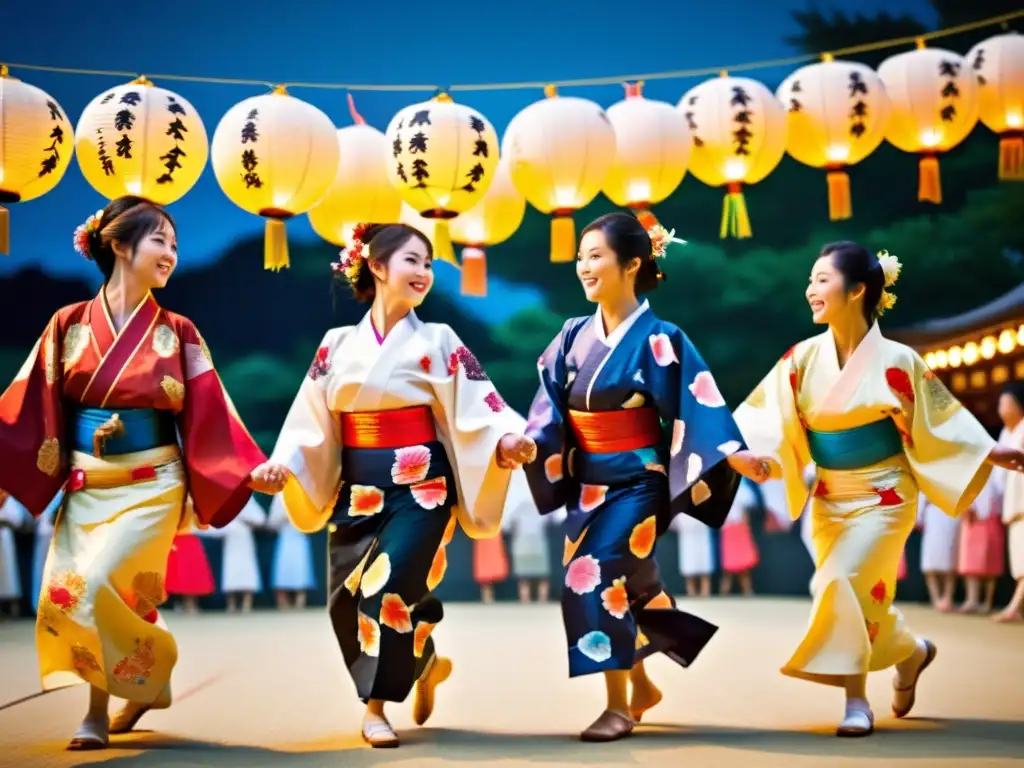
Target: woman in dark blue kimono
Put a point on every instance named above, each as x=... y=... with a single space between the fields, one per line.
x=631 y=430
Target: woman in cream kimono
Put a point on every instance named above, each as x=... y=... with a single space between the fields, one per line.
x=395 y=435
x=696 y=554
x=879 y=426
x=12 y=517
x=240 y=569
x=938 y=553
x=1011 y=410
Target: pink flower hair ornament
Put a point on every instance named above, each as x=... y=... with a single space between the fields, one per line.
x=660 y=239
x=352 y=258
x=84 y=233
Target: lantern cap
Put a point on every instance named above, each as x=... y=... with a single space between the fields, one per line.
x=442 y=96
x=920 y=43
x=279 y=90
x=724 y=73
x=634 y=90
x=4 y=71
x=142 y=80
x=551 y=91
x=827 y=57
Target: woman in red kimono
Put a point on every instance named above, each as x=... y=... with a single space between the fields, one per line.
x=119 y=406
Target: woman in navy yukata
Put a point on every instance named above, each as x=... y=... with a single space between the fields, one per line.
x=631 y=430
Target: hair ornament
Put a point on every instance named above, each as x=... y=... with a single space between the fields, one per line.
x=660 y=239
x=84 y=233
x=891 y=270
x=352 y=258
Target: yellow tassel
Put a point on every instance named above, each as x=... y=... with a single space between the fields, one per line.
x=474 y=271
x=275 y=246
x=563 y=238
x=735 y=220
x=646 y=218
x=839 y=203
x=1011 y=158
x=929 y=184
x=5 y=232
x=443 y=248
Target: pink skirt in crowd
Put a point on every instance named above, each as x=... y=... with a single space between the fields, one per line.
x=188 y=570
x=982 y=548
x=739 y=552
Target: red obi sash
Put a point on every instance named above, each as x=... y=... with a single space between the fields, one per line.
x=388 y=429
x=616 y=431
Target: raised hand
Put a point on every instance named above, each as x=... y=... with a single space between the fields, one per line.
x=515 y=450
x=268 y=478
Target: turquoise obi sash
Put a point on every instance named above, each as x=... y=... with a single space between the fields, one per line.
x=855 y=448
x=144 y=429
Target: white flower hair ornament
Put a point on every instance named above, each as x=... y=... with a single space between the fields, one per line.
x=891 y=268
x=660 y=238
x=84 y=233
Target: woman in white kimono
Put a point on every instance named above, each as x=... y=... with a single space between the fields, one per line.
x=396 y=433
x=240 y=570
x=880 y=427
x=696 y=554
x=13 y=516
x=1011 y=411
x=938 y=553
x=292 y=569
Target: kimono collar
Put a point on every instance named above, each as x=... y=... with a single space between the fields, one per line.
x=414 y=323
x=612 y=340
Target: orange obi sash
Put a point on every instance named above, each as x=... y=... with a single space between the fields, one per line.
x=616 y=431
x=388 y=429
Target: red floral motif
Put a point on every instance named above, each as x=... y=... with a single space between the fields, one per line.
x=137 y=666
x=321 y=365
x=76 y=480
x=65 y=591
x=821 y=489
x=872 y=627
x=888 y=497
x=794 y=380
x=789 y=352
x=462 y=356
x=878 y=592
x=495 y=402
x=425 y=363
x=899 y=382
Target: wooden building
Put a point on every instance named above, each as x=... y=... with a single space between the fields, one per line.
x=975 y=353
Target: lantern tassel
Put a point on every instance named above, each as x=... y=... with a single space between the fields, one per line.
x=929 y=184
x=839 y=203
x=275 y=246
x=1011 y=158
x=735 y=220
x=443 y=248
x=563 y=238
x=474 y=271
x=5 y=232
x=646 y=218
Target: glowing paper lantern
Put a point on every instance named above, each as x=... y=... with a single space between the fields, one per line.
x=836 y=114
x=36 y=143
x=275 y=156
x=442 y=161
x=138 y=139
x=934 y=96
x=999 y=65
x=739 y=136
x=653 y=145
x=560 y=150
x=361 y=190
x=491 y=221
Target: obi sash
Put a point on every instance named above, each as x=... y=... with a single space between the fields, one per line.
x=855 y=448
x=629 y=429
x=388 y=448
x=141 y=430
x=398 y=428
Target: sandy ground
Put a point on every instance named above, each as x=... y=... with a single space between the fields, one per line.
x=270 y=689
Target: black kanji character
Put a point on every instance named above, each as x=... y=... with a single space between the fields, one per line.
x=174 y=107
x=795 y=106
x=132 y=98
x=857 y=85
x=400 y=170
x=860 y=109
x=421 y=118
x=739 y=97
x=49 y=164
x=476 y=173
x=948 y=113
x=950 y=91
x=124 y=147
x=418 y=143
x=949 y=69
x=690 y=121
x=743 y=116
x=106 y=99
x=54 y=111
x=177 y=130
x=476 y=124
x=420 y=172
x=480 y=148
x=249 y=159
x=124 y=120
x=252 y=179
x=249 y=133
x=797 y=88
x=857 y=129
x=253 y=114
x=396 y=146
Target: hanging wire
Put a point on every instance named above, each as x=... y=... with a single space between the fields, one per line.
x=895 y=42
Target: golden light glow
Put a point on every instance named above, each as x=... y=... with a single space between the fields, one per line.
x=959 y=382
x=838 y=153
x=1020 y=335
x=970 y=353
x=941 y=358
x=639 y=190
x=1000 y=374
x=988 y=347
x=1007 y=342
x=978 y=379
x=955 y=357
x=735 y=169
x=929 y=360
x=930 y=138
x=1014 y=119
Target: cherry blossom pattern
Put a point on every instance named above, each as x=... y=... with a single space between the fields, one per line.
x=321 y=365
x=84 y=661
x=369 y=635
x=65 y=591
x=495 y=401
x=678 y=435
x=419 y=637
x=643 y=536
x=872 y=628
x=411 y=464
x=878 y=592
x=137 y=666
x=430 y=494
x=353 y=579
x=592 y=496
x=376 y=576
x=662 y=349
x=704 y=389
x=553 y=468
x=426 y=364
x=365 y=501
x=596 y=646
x=694 y=466
x=467 y=360
x=438 y=568
x=395 y=614
x=583 y=575
x=147 y=593
x=899 y=382
x=615 y=599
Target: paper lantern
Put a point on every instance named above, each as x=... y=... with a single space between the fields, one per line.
x=361 y=191
x=442 y=161
x=653 y=145
x=36 y=143
x=560 y=150
x=491 y=221
x=934 y=96
x=836 y=116
x=739 y=136
x=999 y=65
x=138 y=139
x=275 y=156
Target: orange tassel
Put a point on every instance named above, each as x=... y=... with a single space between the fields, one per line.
x=929 y=184
x=5 y=232
x=839 y=203
x=563 y=238
x=1011 y=157
x=474 y=271
x=646 y=218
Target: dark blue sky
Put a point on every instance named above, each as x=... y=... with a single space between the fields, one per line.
x=369 y=42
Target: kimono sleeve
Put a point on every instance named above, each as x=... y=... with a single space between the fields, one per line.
x=947 y=448
x=32 y=426
x=475 y=419
x=310 y=446
x=771 y=425
x=218 y=451
x=701 y=482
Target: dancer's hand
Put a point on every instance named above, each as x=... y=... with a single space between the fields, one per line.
x=515 y=450
x=268 y=478
x=1007 y=457
x=755 y=468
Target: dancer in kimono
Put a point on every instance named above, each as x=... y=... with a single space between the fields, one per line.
x=982 y=556
x=291 y=573
x=12 y=518
x=739 y=552
x=240 y=569
x=632 y=431
x=531 y=559
x=880 y=427
x=1011 y=411
x=119 y=405
x=938 y=553
x=696 y=554
x=395 y=435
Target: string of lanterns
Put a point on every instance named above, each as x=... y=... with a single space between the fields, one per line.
x=439 y=163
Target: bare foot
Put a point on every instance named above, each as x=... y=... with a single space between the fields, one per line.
x=1008 y=617
x=129 y=716
x=645 y=696
x=968 y=608
x=423 y=703
x=944 y=606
